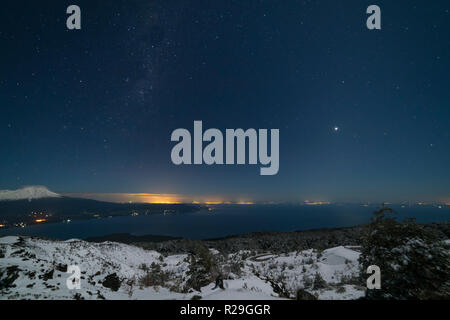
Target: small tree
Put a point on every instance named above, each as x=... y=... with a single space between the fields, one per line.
x=154 y=276
x=319 y=282
x=414 y=263
x=203 y=268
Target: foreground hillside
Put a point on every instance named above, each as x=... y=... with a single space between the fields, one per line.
x=32 y=268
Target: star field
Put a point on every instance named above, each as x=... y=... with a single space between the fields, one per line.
x=364 y=115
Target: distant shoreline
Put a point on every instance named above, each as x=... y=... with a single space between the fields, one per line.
x=24 y=213
x=216 y=223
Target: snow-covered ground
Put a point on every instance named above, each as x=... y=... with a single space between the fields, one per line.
x=27 y=193
x=32 y=268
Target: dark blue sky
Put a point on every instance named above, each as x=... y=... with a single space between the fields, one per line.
x=93 y=110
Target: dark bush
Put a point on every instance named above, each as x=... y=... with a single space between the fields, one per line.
x=154 y=276
x=112 y=282
x=414 y=263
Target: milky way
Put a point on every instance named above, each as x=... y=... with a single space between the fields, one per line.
x=363 y=114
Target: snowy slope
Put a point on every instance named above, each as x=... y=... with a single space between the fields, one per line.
x=27 y=193
x=32 y=268
x=297 y=270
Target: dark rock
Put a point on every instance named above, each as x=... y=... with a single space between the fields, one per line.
x=61 y=267
x=78 y=296
x=100 y=296
x=7 y=278
x=219 y=283
x=48 y=275
x=305 y=295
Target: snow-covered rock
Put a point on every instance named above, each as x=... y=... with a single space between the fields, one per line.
x=27 y=193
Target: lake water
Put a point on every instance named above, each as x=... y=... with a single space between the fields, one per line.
x=226 y=220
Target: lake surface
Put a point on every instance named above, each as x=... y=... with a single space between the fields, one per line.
x=226 y=220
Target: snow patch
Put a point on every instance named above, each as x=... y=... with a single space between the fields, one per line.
x=9 y=240
x=27 y=193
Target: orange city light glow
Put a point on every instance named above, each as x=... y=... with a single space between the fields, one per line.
x=155 y=198
x=132 y=197
x=40 y=220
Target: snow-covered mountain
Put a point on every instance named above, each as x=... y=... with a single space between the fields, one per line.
x=27 y=193
x=32 y=268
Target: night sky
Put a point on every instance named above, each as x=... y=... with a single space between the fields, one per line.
x=363 y=115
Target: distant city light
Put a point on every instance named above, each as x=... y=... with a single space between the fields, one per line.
x=316 y=203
